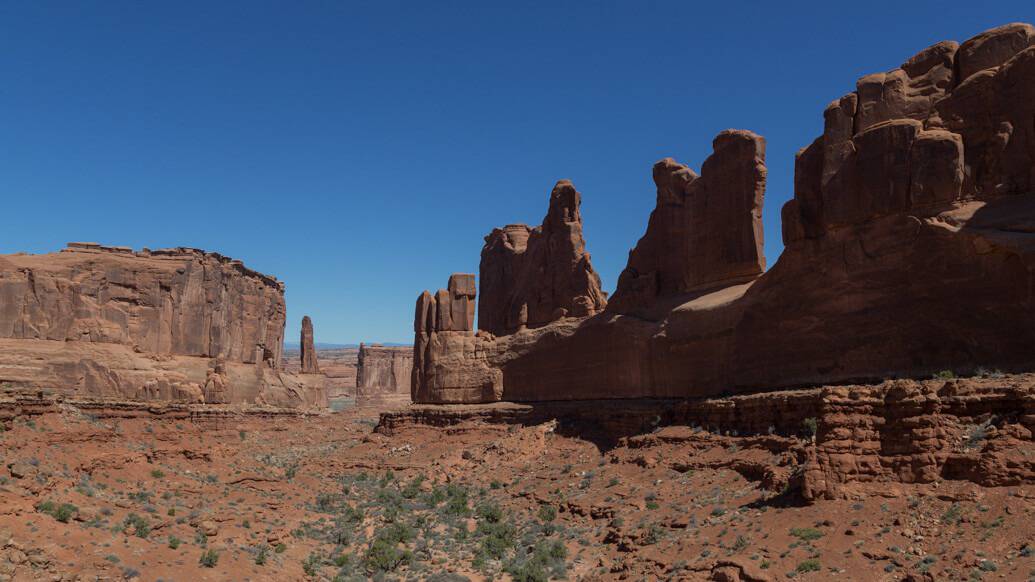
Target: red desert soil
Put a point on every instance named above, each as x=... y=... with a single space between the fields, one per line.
x=111 y=494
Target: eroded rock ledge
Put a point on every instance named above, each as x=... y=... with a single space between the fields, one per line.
x=823 y=440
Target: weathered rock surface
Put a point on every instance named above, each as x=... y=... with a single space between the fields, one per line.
x=448 y=359
x=908 y=250
x=307 y=350
x=828 y=440
x=178 y=324
x=383 y=375
x=167 y=301
x=529 y=277
x=706 y=230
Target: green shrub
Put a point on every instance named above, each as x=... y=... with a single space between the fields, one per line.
x=810 y=427
x=209 y=558
x=806 y=534
x=547 y=513
x=810 y=565
x=384 y=556
x=174 y=542
x=141 y=526
x=261 y=553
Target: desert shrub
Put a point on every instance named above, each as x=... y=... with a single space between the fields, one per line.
x=806 y=534
x=810 y=565
x=209 y=558
x=496 y=538
x=490 y=512
x=312 y=564
x=456 y=501
x=261 y=553
x=953 y=515
x=384 y=556
x=141 y=526
x=62 y=512
x=810 y=427
x=547 y=513
x=977 y=434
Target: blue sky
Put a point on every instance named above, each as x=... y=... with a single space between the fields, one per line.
x=360 y=151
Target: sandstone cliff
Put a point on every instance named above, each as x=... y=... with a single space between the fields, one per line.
x=706 y=231
x=448 y=361
x=172 y=324
x=529 y=277
x=383 y=375
x=908 y=250
x=167 y=301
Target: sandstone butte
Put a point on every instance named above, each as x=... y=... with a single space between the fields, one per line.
x=178 y=325
x=383 y=375
x=908 y=250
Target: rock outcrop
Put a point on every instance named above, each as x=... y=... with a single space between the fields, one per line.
x=706 y=231
x=172 y=324
x=337 y=365
x=167 y=301
x=448 y=363
x=307 y=349
x=529 y=277
x=908 y=250
x=383 y=375
x=825 y=442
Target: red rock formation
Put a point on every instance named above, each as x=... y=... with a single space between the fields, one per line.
x=307 y=351
x=533 y=276
x=383 y=375
x=337 y=365
x=447 y=363
x=174 y=324
x=908 y=250
x=705 y=232
x=828 y=440
x=167 y=301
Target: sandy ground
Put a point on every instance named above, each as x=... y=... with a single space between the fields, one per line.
x=326 y=498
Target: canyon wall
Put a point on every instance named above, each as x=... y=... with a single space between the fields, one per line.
x=170 y=324
x=908 y=250
x=383 y=375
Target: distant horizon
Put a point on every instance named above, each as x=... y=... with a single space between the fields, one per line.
x=360 y=153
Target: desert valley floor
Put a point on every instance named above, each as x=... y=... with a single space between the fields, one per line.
x=95 y=492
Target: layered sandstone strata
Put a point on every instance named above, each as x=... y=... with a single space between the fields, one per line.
x=172 y=324
x=529 y=277
x=448 y=359
x=383 y=375
x=167 y=301
x=825 y=442
x=908 y=250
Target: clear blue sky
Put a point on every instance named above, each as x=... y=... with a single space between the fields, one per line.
x=360 y=151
